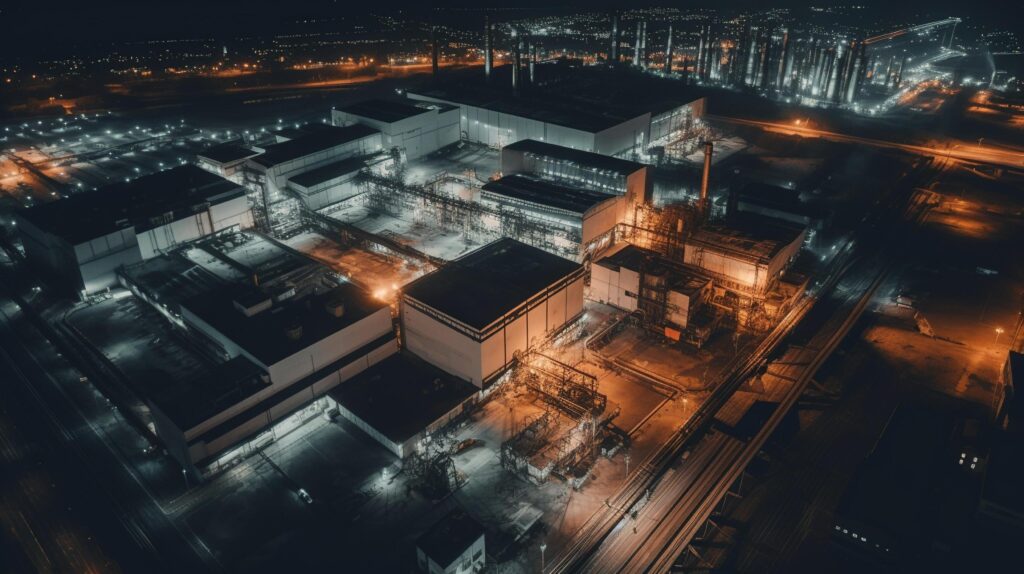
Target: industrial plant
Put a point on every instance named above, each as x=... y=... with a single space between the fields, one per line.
x=545 y=293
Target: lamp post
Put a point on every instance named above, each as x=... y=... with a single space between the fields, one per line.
x=543 y=547
x=184 y=474
x=999 y=331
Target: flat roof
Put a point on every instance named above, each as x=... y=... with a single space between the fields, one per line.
x=182 y=190
x=388 y=111
x=402 y=395
x=749 y=236
x=577 y=156
x=546 y=193
x=446 y=540
x=628 y=255
x=227 y=152
x=265 y=334
x=328 y=172
x=481 y=286
x=634 y=258
x=549 y=109
x=310 y=143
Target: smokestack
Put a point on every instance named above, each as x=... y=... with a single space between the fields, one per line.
x=488 y=48
x=636 y=45
x=643 y=46
x=668 y=51
x=516 y=50
x=434 y=49
x=702 y=205
x=533 y=60
x=613 y=55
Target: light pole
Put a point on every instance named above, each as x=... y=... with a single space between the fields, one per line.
x=184 y=474
x=999 y=331
x=627 y=466
x=543 y=547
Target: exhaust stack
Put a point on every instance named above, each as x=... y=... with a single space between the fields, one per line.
x=702 y=204
x=434 y=49
x=613 y=54
x=517 y=48
x=488 y=48
x=668 y=51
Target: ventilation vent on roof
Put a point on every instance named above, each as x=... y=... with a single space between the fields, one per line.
x=293 y=332
x=335 y=307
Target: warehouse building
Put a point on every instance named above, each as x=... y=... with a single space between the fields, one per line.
x=577 y=167
x=269 y=172
x=81 y=241
x=746 y=255
x=402 y=400
x=631 y=278
x=414 y=128
x=584 y=216
x=279 y=329
x=226 y=160
x=497 y=119
x=471 y=317
x=330 y=183
x=454 y=545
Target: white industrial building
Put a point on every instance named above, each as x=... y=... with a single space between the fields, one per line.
x=580 y=168
x=402 y=400
x=329 y=184
x=270 y=171
x=473 y=316
x=82 y=240
x=455 y=545
x=747 y=255
x=627 y=274
x=414 y=128
x=497 y=120
x=585 y=216
x=225 y=160
x=276 y=330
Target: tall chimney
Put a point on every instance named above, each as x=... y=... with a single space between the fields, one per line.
x=488 y=48
x=434 y=49
x=613 y=55
x=702 y=205
x=643 y=46
x=668 y=51
x=516 y=49
x=636 y=45
x=533 y=60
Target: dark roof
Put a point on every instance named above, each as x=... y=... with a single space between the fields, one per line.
x=541 y=108
x=446 y=540
x=264 y=335
x=636 y=258
x=329 y=171
x=402 y=395
x=182 y=191
x=631 y=257
x=227 y=152
x=387 y=111
x=481 y=286
x=749 y=236
x=546 y=193
x=311 y=143
x=581 y=157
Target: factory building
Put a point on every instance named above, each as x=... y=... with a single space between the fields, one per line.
x=226 y=160
x=776 y=202
x=632 y=278
x=746 y=256
x=472 y=317
x=577 y=167
x=414 y=128
x=402 y=400
x=330 y=183
x=496 y=120
x=268 y=173
x=455 y=545
x=82 y=240
x=276 y=333
x=585 y=216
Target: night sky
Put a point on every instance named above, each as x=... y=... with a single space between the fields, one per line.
x=33 y=28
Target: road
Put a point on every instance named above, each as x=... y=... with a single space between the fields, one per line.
x=954 y=150
x=138 y=534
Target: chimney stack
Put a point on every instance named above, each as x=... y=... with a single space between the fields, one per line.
x=613 y=55
x=702 y=205
x=488 y=48
x=517 y=44
x=668 y=51
x=636 y=45
x=434 y=48
x=533 y=60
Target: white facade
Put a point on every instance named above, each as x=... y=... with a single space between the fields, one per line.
x=498 y=128
x=479 y=355
x=615 y=287
x=733 y=269
x=416 y=135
